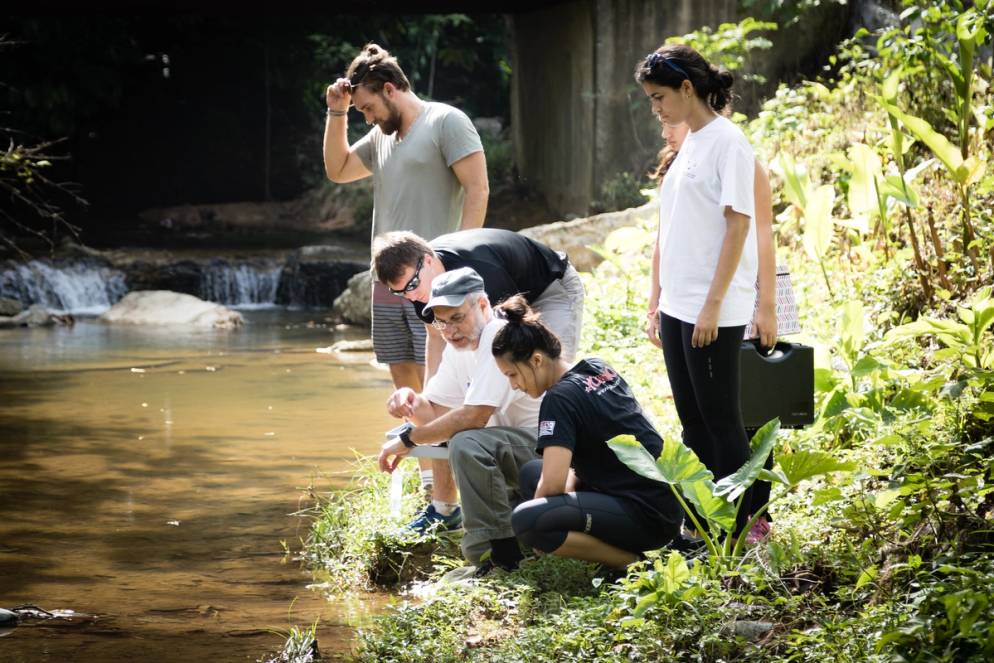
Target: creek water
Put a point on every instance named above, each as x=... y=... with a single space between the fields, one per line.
x=147 y=477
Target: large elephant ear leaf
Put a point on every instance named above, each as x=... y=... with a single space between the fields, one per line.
x=732 y=486
x=801 y=465
x=678 y=463
x=712 y=508
x=636 y=457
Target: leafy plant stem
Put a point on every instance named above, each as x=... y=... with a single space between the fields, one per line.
x=939 y=253
x=828 y=282
x=697 y=525
x=752 y=521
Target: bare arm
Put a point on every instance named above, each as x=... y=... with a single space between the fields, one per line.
x=341 y=164
x=434 y=346
x=652 y=323
x=555 y=471
x=471 y=171
x=737 y=228
x=454 y=421
x=765 y=323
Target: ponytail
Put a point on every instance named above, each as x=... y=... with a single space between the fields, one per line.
x=524 y=332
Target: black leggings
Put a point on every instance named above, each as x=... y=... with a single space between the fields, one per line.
x=544 y=523
x=705 y=384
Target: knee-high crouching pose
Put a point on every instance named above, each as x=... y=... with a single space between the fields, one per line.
x=585 y=502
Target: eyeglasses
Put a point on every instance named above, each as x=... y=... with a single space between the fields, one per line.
x=413 y=283
x=653 y=59
x=454 y=321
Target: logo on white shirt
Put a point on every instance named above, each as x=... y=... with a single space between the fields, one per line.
x=546 y=428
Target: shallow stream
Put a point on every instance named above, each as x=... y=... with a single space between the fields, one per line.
x=146 y=477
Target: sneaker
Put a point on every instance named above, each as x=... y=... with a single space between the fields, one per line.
x=759 y=533
x=430 y=519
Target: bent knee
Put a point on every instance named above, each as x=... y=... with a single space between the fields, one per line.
x=525 y=521
x=465 y=444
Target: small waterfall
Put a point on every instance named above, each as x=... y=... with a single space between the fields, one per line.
x=241 y=285
x=84 y=287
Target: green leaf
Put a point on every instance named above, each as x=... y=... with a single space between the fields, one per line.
x=738 y=482
x=675 y=574
x=678 y=463
x=890 y=85
x=825 y=380
x=818 y=221
x=868 y=575
x=826 y=495
x=852 y=331
x=940 y=146
x=866 y=169
x=867 y=365
x=895 y=187
x=802 y=465
x=645 y=603
x=716 y=510
x=773 y=476
x=796 y=182
x=886 y=497
x=636 y=457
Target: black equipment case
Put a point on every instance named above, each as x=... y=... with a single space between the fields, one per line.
x=780 y=384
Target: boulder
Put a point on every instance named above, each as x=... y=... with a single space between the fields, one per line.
x=10 y=307
x=353 y=305
x=35 y=316
x=162 y=307
x=574 y=237
x=747 y=629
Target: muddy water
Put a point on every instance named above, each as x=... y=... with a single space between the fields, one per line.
x=146 y=478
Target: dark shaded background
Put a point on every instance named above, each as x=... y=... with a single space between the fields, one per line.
x=169 y=109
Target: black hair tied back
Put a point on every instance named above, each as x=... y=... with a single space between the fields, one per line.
x=524 y=332
x=672 y=64
x=720 y=94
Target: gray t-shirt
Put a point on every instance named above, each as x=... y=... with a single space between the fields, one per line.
x=414 y=187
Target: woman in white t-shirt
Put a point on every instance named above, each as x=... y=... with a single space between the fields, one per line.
x=707 y=259
x=764 y=321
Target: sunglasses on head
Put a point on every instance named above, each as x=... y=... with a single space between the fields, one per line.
x=413 y=283
x=653 y=59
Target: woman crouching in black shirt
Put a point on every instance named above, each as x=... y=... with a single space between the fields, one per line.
x=582 y=501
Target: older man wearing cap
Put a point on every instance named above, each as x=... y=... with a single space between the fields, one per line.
x=489 y=426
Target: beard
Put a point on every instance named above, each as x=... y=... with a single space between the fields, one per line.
x=391 y=125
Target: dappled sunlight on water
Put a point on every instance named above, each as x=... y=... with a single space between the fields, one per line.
x=146 y=477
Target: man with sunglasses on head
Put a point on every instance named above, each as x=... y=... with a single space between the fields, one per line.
x=509 y=264
x=429 y=176
x=490 y=427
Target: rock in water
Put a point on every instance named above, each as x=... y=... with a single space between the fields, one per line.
x=10 y=307
x=162 y=307
x=353 y=304
x=7 y=618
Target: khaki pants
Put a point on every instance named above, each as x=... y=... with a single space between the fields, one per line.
x=561 y=306
x=485 y=462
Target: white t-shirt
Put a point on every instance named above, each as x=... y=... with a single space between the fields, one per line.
x=471 y=377
x=714 y=169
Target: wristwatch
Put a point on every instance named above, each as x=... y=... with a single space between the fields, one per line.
x=405 y=435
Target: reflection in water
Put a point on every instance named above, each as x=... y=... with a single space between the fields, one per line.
x=146 y=477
